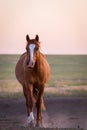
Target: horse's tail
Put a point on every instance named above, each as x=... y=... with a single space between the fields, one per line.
x=43 y=105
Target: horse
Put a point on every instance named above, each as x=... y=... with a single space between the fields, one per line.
x=32 y=71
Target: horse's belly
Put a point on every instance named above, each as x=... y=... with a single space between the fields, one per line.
x=44 y=72
x=19 y=72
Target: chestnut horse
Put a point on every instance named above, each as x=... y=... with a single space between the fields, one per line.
x=33 y=71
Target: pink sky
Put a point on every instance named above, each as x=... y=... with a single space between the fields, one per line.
x=60 y=24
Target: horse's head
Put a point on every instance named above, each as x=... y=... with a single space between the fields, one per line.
x=32 y=48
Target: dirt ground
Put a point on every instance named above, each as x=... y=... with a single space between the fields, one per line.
x=61 y=112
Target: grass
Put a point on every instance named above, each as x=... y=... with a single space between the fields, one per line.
x=68 y=75
x=7 y=66
x=68 y=70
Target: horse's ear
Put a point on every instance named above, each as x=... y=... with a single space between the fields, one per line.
x=37 y=38
x=27 y=37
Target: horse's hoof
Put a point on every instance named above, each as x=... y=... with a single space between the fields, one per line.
x=31 y=124
x=39 y=125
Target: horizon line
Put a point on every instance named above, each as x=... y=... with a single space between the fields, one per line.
x=45 y=53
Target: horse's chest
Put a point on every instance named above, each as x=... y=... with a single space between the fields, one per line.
x=31 y=77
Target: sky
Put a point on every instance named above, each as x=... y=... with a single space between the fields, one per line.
x=60 y=24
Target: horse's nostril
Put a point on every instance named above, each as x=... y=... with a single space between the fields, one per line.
x=27 y=62
x=30 y=63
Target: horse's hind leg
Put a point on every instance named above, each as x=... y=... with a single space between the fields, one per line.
x=39 y=107
x=29 y=103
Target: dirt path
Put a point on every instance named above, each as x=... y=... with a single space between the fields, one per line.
x=60 y=113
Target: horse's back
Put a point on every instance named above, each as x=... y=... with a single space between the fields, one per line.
x=19 y=70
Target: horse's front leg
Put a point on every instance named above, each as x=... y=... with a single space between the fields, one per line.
x=28 y=93
x=39 y=104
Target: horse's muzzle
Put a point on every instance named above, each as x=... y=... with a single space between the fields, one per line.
x=30 y=64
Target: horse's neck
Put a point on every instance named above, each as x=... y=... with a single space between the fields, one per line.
x=39 y=61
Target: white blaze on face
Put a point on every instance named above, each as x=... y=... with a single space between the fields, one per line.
x=31 y=48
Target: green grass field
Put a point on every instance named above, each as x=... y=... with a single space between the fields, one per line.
x=68 y=75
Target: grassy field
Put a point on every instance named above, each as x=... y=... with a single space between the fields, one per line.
x=68 y=76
